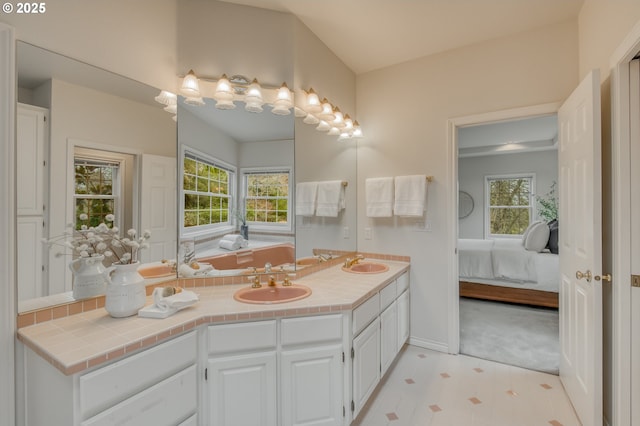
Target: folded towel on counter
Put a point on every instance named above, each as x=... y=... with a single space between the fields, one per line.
x=230 y=245
x=410 y=195
x=379 y=196
x=163 y=307
x=306 y=193
x=236 y=238
x=192 y=270
x=330 y=199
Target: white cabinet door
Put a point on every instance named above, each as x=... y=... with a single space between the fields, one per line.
x=403 y=318
x=242 y=390
x=388 y=337
x=30 y=149
x=311 y=387
x=366 y=365
x=29 y=257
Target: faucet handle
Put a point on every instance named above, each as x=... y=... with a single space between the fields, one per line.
x=256 y=281
x=287 y=280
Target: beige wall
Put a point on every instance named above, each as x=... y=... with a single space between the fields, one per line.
x=603 y=27
x=134 y=38
x=404 y=110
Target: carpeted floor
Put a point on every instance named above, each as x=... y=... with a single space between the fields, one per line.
x=523 y=336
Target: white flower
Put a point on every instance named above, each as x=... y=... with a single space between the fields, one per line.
x=108 y=253
x=83 y=227
x=109 y=218
x=146 y=234
x=125 y=257
x=84 y=254
x=131 y=232
x=144 y=245
x=101 y=246
x=134 y=245
x=83 y=216
x=115 y=229
x=116 y=243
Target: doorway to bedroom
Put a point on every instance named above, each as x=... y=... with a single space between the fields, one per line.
x=508 y=259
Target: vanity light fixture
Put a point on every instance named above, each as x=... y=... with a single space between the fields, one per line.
x=334 y=131
x=284 y=101
x=170 y=100
x=327 y=111
x=190 y=85
x=312 y=105
x=348 y=123
x=357 y=131
x=323 y=126
x=194 y=101
x=339 y=120
x=253 y=98
x=299 y=112
x=224 y=94
x=311 y=119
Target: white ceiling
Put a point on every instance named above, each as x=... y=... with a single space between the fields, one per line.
x=373 y=34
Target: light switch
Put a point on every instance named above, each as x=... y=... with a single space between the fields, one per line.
x=368 y=233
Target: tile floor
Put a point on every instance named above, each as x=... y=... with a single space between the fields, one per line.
x=426 y=388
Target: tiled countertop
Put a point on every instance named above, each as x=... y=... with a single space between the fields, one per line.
x=85 y=340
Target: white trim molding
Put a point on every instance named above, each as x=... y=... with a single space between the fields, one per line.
x=8 y=299
x=453 y=329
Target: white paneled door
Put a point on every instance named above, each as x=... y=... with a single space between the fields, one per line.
x=158 y=206
x=579 y=159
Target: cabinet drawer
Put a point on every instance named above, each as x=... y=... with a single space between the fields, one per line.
x=246 y=336
x=109 y=385
x=387 y=295
x=166 y=403
x=402 y=283
x=363 y=314
x=303 y=330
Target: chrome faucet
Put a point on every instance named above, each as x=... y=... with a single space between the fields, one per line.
x=350 y=262
x=267 y=268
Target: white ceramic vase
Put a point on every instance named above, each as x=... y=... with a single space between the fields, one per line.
x=126 y=292
x=88 y=277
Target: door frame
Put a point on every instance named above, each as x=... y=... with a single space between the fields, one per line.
x=621 y=221
x=453 y=329
x=8 y=298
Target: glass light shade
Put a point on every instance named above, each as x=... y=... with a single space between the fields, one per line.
x=284 y=96
x=299 y=112
x=311 y=119
x=334 y=131
x=339 y=120
x=225 y=104
x=175 y=118
x=190 y=86
x=357 y=130
x=344 y=136
x=348 y=123
x=327 y=111
x=197 y=101
x=172 y=109
x=313 y=102
x=224 y=91
x=166 y=98
x=280 y=109
x=323 y=126
x=253 y=98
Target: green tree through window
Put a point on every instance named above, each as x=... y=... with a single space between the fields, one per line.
x=267 y=197
x=510 y=207
x=206 y=192
x=94 y=191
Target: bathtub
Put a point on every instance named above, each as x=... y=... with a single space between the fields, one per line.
x=279 y=254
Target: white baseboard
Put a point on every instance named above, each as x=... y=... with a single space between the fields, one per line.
x=429 y=344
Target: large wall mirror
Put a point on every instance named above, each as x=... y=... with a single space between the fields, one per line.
x=88 y=141
x=236 y=209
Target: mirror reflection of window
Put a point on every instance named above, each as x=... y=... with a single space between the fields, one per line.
x=266 y=199
x=96 y=191
x=208 y=192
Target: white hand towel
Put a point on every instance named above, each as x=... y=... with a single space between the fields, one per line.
x=234 y=238
x=379 y=196
x=177 y=301
x=306 y=198
x=229 y=245
x=330 y=198
x=410 y=195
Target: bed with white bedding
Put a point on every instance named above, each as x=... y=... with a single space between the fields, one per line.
x=503 y=270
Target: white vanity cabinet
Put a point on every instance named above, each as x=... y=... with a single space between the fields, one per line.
x=241 y=374
x=156 y=386
x=276 y=372
x=311 y=371
x=380 y=327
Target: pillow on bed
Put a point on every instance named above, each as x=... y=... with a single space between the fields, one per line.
x=537 y=237
x=529 y=228
x=552 y=245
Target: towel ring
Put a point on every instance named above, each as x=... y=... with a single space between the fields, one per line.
x=465 y=204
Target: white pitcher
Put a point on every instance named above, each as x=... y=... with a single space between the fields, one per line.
x=126 y=292
x=88 y=277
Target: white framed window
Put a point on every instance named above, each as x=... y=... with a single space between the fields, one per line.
x=207 y=193
x=266 y=194
x=509 y=206
x=97 y=190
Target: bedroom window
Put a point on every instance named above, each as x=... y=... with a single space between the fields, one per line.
x=509 y=206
